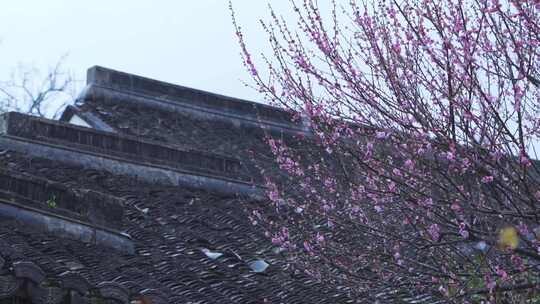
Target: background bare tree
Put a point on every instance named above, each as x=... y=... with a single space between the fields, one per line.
x=29 y=91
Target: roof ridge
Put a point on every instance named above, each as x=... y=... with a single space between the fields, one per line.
x=116 y=86
x=123 y=154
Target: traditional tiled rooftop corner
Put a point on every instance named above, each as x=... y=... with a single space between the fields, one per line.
x=110 y=86
x=137 y=195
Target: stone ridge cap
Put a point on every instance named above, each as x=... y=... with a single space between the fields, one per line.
x=137 y=162
x=93 y=78
x=182 y=102
x=72 y=110
x=66 y=218
x=90 y=80
x=68 y=112
x=90 y=118
x=120 y=136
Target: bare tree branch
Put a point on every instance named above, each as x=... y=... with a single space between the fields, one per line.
x=27 y=91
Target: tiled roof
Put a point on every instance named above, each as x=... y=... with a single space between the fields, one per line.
x=191 y=244
x=171 y=227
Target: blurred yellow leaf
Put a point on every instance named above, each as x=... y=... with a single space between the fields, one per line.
x=508 y=238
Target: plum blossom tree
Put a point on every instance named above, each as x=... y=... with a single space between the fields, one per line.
x=419 y=180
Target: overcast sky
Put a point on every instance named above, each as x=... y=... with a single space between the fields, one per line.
x=190 y=43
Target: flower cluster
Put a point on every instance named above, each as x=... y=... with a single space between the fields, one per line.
x=419 y=175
